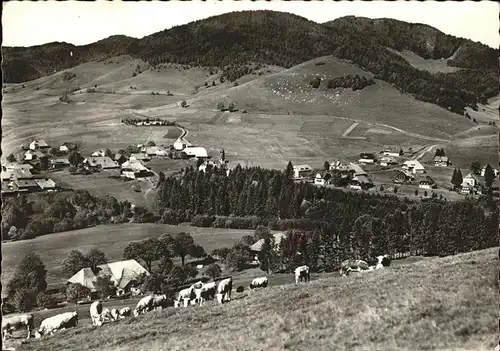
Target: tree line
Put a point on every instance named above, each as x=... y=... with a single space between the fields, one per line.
x=249 y=197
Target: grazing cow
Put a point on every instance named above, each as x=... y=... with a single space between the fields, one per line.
x=383 y=261
x=125 y=312
x=159 y=301
x=144 y=305
x=106 y=315
x=16 y=323
x=58 y=322
x=204 y=292
x=96 y=313
x=302 y=274
x=349 y=266
x=259 y=283
x=185 y=295
x=224 y=290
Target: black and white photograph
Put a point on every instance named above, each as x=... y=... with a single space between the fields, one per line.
x=250 y=175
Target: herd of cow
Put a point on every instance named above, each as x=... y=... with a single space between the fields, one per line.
x=196 y=294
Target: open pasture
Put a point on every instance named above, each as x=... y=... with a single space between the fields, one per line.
x=429 y=65
x=111 y=239
x=435 y=304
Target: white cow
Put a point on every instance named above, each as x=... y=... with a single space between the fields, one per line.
x=349 y=266
x=185 y=296
x=259 y=283
x=16 y=323
x=125 y=312
x=302 y=274
x=96 y=313
x=159 y=301
x=144 y=305
x=204 y=292
x=383 y=261
x=224 y=290
x=58 y=322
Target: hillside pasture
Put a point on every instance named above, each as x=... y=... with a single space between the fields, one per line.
x=111 y=239
x=429 y=65
x=445 y=303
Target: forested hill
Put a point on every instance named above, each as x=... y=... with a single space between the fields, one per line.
x=423 y=40
x=285 y=40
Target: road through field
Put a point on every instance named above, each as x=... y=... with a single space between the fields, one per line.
x=425 y=151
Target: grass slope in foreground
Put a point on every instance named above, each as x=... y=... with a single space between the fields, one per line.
x=437 y=304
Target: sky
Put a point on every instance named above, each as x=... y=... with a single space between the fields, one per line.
x=35 y=23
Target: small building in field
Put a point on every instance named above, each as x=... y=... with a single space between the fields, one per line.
x=46 y=184
x=392 y=151
x=59 y=163
x=33 y=155
x=356 y=170
x=14 y=174
x=366 y=157
x=181 y=144
x=427 y=183
x=403 y=177
x=134 y=169
x=120 y=158
x=15 y=165
x=39 y=145
x=473 y=184
x=140 y=156
x=301 y=171
x=413 y=166
x=66 y=147
x=441 y=161
x=102 y=162
x=387 y=161
x=213 y=164
x=322 y=178
x=196 y=151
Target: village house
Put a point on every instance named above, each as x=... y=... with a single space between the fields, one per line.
x=59 y=163
x=339 y=165
x=140 y=156
x=322 y=178
x=214 y=164
x=134 y=169
x=46 y=184
x=27 y=185
x=66 y=147
x=181 y=144
x=414 y=167
x=392 y=151
x=495 y=171
x=257 y=247
x=301 y=171
x=120 y=158
x=441 y=161
x=427 y=183
x=15 y=165
x=39 y=145
x=195 y=151
x=33 y=155
x=472 y=183
x=366 y=157
x=102 y=162
x=155 y=151
x=122 y=273
x=387 y=161
x=14 y=174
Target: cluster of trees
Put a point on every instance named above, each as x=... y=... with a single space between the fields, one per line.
x=150 y=121
x=439 y=152
x=76 y=260
x=349 y=81
x=58 y=212
x=271 y=196
x=457 y=178
x=222 y=106
x=232 y=73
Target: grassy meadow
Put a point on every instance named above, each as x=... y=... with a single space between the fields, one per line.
x=441 y=304
x=111 y=239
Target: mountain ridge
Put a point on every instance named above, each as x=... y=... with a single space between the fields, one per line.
x=232 y=40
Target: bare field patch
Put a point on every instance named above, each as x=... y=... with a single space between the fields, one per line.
x=429 y=65
x=436 y=304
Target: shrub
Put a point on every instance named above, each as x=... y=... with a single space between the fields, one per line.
x=46 y=301
x=315 y=82
x=24 y=300
x=183 y=103
x=213 y=271
x=75 y=292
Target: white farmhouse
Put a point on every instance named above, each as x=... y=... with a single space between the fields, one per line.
x=196 y=151
x=300 y=171
x=414 y=166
